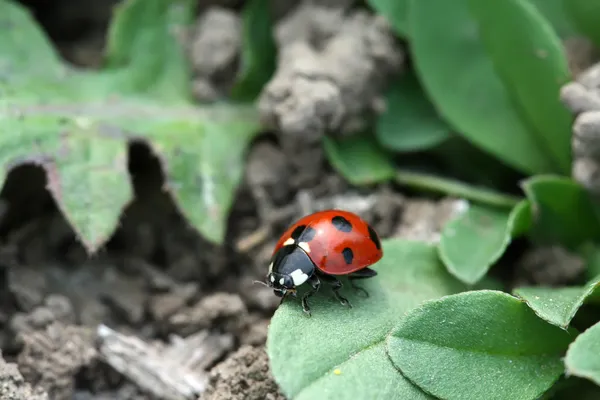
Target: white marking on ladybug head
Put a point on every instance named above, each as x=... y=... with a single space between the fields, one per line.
x=281 y=281
x=304 y=246
x=289 y=241
x=272 y=278
x=298 y=277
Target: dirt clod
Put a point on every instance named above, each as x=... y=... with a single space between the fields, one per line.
x=225 y=309
x=14 y=387
x=214 y=49
x=56 y=308
x=424 y=219
x=332 y=65
x=550 y=266
x=52 y=357
x=243 y=376
x=163 y=305
x=582 y=97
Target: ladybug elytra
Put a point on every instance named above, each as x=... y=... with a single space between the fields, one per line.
x=319 y=247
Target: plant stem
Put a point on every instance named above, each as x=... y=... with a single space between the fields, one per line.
x=452 y=187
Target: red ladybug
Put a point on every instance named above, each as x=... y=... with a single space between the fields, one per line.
x=320 y=246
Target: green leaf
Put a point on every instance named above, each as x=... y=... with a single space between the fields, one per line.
x=130 y=68
x=450 y=157
x=259 y=51
x=460 y=78
x=474 y=240
x=585 y=15
x=396 y=12
x=555 y=11
x=583 y=357
x=478 y=345
x=359 y=159
x=558 y=306
x=521 y=218
x=351 y=340
x=514 y=30
x=563 y=211
x=77 y=124
x=410 y=123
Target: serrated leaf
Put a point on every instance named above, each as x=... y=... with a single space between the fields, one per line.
x=351 y=341
x=475 y=239
x=259 y=51
x=529 y=58
x=563 y=211
x=478 y=345
x=583 y=356
x=409 y=123
x=203 y=165
x=77 y=124
x=453 y=65
x=359 y=159
x=395 y=12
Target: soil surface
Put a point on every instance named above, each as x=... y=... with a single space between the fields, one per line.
x=160 y=313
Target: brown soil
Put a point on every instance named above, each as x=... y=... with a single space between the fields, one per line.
x=160 y=313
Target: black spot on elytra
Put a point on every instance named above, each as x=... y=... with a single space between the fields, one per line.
x=374 y=238
x=303 y=233
x=348 y=255
x=341 y=224
x=297 y=232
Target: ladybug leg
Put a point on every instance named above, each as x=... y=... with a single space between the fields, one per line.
x=361 y=274
x=315 y=284
x=336 y=285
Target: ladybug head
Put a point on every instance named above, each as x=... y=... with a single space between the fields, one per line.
x=291 y=267
x=281 y=284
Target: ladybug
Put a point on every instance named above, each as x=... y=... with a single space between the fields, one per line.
x=319 y=247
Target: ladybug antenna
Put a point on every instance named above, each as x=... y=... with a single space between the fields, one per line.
x=261 y=282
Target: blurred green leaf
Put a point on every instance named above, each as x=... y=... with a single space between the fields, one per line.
x=521 y=218
x=474 y=240
x=352 y=340
x=410 y=123
x=130 y=68
x=563 y=211
x=585 y=15
x=529 y=58
x=259 y=51
x=478 y=345
x=556 y=13
x=460 y=78
x=359 y=159
x=583 y=357
x=452 y=153
x=396 y=12
x=77 y=124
